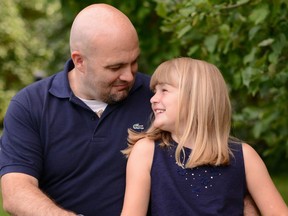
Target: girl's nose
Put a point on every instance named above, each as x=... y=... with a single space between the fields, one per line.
x=154 y=99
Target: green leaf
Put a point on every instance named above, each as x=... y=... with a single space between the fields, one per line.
x=259 y=14
x=253 y=31
x=192 y=50
x=242 y=1
x=211 y=42
x=184 y=30
x=187 y=11
x=246 y=76
x=266 y=42
x=161 y=10
x=250 y=57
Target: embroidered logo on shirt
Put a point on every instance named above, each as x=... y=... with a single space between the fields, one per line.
x=138 y=126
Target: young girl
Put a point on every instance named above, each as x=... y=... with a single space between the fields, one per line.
x=186 y=163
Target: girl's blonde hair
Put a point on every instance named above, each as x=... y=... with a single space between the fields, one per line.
x=204 y=110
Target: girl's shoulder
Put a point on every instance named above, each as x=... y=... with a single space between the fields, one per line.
x=143 y=147
x=145 y=143
x=248 y=151
x=252 y=160
x=141 y=156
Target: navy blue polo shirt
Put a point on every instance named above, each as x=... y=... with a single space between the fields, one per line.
x=52 y=135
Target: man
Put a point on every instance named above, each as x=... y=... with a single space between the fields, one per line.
x=57 y=156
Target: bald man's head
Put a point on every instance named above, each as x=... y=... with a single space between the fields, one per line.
x=99 y=23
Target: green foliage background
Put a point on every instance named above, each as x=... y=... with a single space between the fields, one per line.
x=246 y=39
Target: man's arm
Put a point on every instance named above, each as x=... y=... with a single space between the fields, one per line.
x=21 y=196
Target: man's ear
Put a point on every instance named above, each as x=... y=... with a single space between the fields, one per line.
x=78 y=60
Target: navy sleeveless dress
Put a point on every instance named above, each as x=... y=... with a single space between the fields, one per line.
x=204 y=190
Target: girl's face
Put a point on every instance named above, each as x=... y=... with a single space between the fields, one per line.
x=165 y=106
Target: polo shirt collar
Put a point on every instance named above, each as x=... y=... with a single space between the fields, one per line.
x=61 y=88
x=60 y=85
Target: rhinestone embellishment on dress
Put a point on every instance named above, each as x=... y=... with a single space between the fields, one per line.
x=199 y=179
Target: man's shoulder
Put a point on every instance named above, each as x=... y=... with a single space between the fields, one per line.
x=141 y=89
x=38 y=87
x=57 y=82
x=143 y=77
x=142 y=80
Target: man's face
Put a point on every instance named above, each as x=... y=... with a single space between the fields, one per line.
x=110 y=71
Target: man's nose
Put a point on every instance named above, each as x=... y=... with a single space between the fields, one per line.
x=127 y=74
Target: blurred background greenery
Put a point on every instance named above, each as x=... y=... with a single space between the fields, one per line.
x=246 y=39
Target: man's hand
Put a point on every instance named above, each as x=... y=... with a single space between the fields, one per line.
x=250 y=208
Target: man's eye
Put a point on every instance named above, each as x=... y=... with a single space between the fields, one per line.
x=115 y=68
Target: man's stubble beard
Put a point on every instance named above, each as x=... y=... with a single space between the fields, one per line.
x=115 y=98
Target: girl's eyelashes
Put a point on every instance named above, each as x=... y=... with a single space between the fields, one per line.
x=161 y=88
x=164 y=90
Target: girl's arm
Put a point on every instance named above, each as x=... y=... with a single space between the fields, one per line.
x=261 y=186
x=137 y=191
